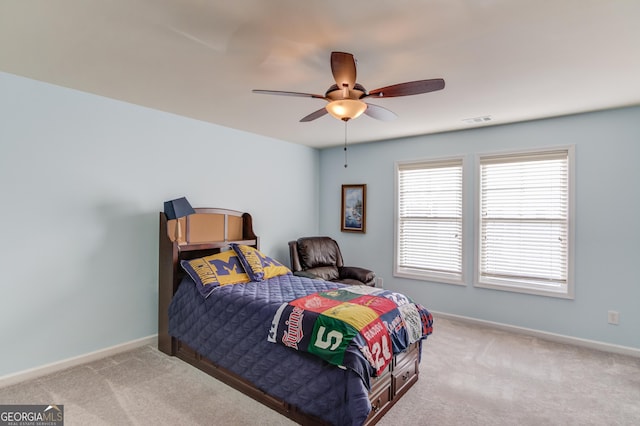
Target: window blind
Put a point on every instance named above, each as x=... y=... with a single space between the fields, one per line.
x=429 y=212
x=524 y=220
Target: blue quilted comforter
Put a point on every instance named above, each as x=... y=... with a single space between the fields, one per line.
x=230 y=328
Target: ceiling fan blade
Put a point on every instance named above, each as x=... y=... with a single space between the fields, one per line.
x=284 y=93
x=410 y=88
x=380 y=113
x=316 y=114
x=343 y=67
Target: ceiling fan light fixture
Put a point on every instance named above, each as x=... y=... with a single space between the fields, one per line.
x=346 y=109
x=345 y=97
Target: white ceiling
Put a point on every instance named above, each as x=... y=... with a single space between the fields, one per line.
x=512 y=60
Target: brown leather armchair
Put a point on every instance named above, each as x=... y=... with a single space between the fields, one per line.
x=320 y=257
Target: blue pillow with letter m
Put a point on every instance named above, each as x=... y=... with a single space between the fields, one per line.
x=259 y=266
x=217 y=270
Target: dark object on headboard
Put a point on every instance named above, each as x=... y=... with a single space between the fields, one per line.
x=320 y=257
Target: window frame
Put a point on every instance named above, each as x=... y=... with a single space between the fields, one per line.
x=416 y=274
x=566 y=291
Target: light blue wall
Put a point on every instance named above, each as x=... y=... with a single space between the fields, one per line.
x=607 y=262
x=82 y=179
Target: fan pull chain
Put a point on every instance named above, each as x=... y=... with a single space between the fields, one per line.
x=345 y=144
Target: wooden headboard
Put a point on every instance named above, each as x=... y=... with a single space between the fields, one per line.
x=208 y=231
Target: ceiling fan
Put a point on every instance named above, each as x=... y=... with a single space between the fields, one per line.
x=346 y=97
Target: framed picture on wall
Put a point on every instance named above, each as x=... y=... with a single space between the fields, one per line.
x=354 y=208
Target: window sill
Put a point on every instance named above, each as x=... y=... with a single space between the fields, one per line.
x=431 y=277
x=561 y=292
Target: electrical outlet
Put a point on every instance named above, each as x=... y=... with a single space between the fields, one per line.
x=613 y=317
x=379 y=282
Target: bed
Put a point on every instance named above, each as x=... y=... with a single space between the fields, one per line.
x=226 y=333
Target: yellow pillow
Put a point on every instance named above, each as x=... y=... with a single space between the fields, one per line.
x=259 y=266
x=217 y=270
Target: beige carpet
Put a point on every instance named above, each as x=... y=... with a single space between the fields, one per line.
x=470 y=375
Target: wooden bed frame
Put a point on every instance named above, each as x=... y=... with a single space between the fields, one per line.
x=210 y=230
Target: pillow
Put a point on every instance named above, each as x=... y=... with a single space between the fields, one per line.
x=259 y=266
x=213 y=271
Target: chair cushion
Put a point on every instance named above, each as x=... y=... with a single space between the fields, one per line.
x=348 y=281
x=327 y=273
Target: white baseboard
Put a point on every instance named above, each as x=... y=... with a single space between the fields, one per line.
x=560 y=338
x=34 y=373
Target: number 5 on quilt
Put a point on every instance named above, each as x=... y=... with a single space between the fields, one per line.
x=323 y=343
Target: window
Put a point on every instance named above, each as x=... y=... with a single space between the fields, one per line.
x=429 y=220
x=524 y=228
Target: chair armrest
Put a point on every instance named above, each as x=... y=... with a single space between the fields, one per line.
x=356 y=273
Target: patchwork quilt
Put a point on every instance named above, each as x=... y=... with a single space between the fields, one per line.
x=332 y=324
x=231 y=328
